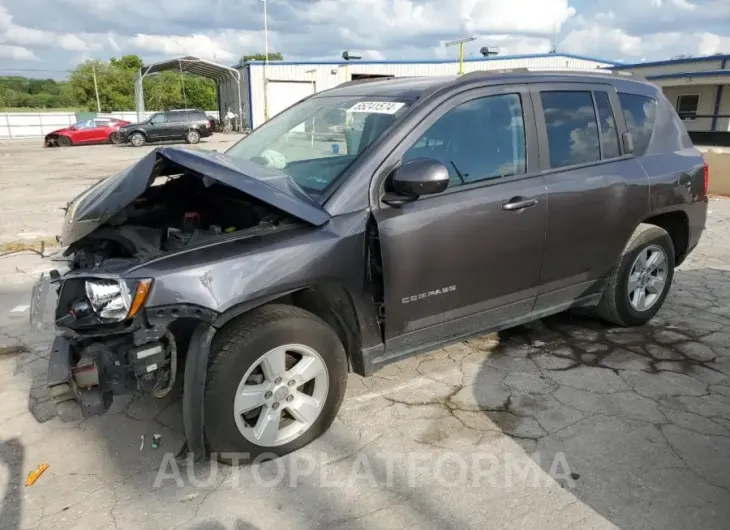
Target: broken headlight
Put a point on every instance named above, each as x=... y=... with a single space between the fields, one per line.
x=117 y=299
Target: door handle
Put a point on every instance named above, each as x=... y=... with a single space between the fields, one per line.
x=519 y=203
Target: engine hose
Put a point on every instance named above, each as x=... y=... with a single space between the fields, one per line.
x=160 y=393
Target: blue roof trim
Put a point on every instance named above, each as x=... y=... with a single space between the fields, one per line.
x=675 y=61
x=438 y=61
x=704 y=73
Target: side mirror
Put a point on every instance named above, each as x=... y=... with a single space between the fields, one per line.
x=422 y=176
x=628 y=140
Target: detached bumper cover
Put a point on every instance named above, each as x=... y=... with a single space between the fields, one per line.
x=60 y=382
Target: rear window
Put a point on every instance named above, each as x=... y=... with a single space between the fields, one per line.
x=572 y=128
x=640 y=113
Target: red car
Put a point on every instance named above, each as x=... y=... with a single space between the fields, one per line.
x=95 y=131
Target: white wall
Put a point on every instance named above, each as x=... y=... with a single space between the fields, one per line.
x=676 y=68
x=707 y=95
x=38 y=124
x=326 y=76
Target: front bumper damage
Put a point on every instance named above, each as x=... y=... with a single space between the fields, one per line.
x=87 y=370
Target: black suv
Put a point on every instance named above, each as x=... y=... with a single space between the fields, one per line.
x=438 y=209
x=188 y=124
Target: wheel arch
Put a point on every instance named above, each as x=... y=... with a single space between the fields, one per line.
x=332 y=302
x=676 y=224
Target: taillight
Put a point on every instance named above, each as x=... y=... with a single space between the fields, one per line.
x=706 y=178
x=207 y=124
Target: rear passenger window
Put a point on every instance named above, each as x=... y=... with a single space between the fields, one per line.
x=478 y=140
x=571 y=128
x=639 y=112
x=175 y=117
x=609 y=134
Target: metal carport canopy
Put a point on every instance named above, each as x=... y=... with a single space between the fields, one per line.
x=218 y=72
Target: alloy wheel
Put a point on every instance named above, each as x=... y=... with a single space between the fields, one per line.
x=281 y=395
x=648 y=277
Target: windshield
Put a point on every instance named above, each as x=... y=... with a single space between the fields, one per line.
x=317 y=139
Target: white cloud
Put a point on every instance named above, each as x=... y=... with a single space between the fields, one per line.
x=17 y=53
x=12 y=33
x=709 y=43
x=201 y=46
x=224 y=30
x=600 y=36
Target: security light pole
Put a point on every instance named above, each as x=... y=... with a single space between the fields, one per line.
x=266 y=62
x=460 y=42
x=96 y=89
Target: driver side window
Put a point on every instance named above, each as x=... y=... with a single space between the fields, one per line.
x=478 y=140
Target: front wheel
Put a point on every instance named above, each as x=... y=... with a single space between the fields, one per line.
x=137 y=139
x=640 y=281
x=276 y=379
x=64 y=141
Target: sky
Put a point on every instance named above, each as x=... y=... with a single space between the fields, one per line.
x=43 y=38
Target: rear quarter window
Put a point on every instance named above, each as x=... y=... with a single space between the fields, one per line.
x=640 y=115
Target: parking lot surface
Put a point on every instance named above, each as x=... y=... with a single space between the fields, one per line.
x=564 y=423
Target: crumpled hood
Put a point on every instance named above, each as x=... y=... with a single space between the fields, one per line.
x=110 y=196
x=60 y=131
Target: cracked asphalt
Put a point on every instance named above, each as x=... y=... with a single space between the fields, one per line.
x=563 y=423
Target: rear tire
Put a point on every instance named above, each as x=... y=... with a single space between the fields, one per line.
x=240 y=364
x=64 y=141
x=635 y=292
x=192 y=137
x=137 y=139
x=114 y=138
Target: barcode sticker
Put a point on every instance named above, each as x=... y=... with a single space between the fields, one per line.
x=377 y=107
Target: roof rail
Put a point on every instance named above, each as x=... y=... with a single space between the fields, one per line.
x=477 y=74
x=368 y=80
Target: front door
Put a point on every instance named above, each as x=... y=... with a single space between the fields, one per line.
x=465 y=259
x=158 y=129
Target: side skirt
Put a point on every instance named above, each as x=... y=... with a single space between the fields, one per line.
x=374 y=358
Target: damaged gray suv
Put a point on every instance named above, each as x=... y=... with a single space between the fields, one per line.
x=438 y=209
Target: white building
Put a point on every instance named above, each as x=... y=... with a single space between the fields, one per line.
x=699 y=89
x=267 y=90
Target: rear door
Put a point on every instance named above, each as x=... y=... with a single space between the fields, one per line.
x=102 y=130
x=597 y=194
x=177 y=125
x=462 y=260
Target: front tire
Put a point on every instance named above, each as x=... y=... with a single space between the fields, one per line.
x=137 y=139
x=640 y=281
x=276 y=379
x=64 y=141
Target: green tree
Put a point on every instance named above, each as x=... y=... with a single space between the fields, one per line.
x=16 y=91
x=273 y=56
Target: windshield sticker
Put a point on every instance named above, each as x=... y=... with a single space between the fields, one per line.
x=377 y=107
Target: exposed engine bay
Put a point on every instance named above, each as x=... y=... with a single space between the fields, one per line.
x=110 y=340
x=174 y=213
